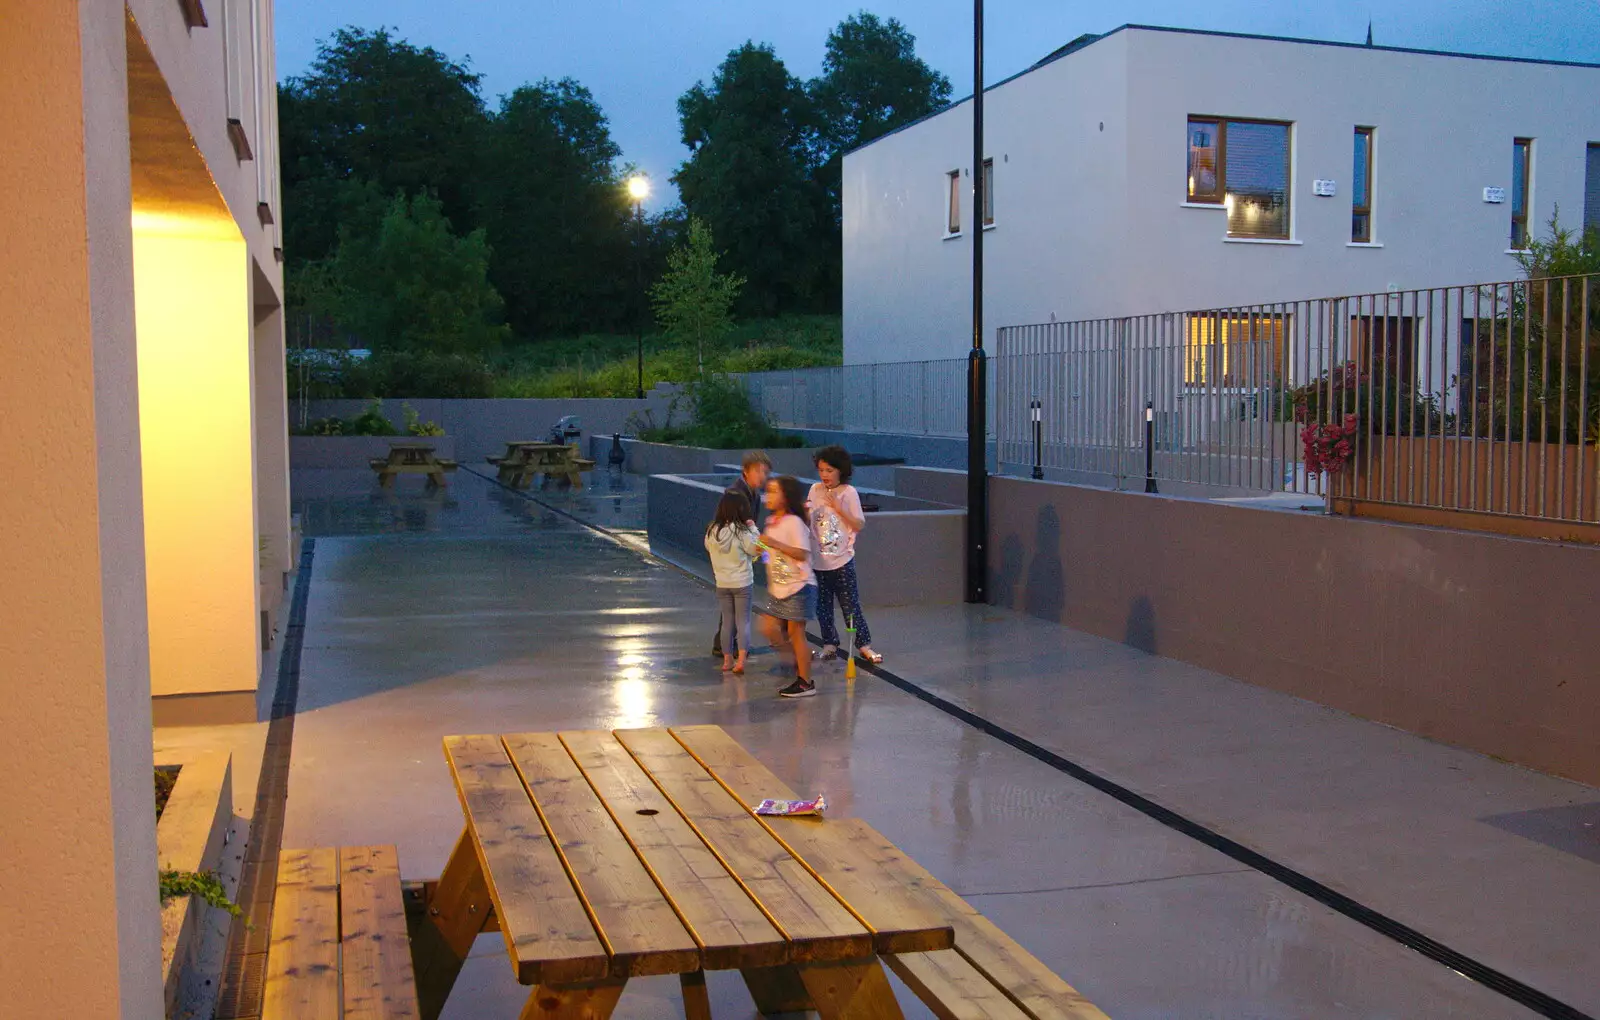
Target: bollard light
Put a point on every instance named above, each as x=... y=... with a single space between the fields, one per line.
x=1036 y=409
x=1149 y=446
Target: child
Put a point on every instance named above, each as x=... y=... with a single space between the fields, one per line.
x=836 y=519
x=791 y=585
x=752 y=484
x=732 y=541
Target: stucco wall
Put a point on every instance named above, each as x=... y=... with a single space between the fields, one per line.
x=909 y=554
x=1472 y=639
x=1089 y=185
x=79 y=828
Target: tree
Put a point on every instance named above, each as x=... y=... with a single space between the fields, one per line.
x=556 y=212
x=872 y=82
x=694 y=302
x=377 y=109
x=750 y=134
x=414 y=286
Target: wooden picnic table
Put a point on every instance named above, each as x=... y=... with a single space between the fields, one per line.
x=525 y=458
x=602 y=856
x=411 y=458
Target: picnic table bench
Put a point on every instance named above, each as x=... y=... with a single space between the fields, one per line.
x=523 y=459
x=338 y=946
x=602 y=856
x=414 y=459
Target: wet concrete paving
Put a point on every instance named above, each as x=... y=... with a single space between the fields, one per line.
x=477 y=611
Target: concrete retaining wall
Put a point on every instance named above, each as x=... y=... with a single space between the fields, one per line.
x=669 y=459
x=481 y=428
x=928 y=451
x=354 y=451
x=1477 y=640
x=910 y=554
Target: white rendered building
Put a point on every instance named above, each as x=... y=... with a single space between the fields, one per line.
x=1152 y=169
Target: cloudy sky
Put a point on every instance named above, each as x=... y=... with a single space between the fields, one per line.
x=638 y=56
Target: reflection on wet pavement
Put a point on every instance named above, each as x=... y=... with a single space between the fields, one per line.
x=477 y=610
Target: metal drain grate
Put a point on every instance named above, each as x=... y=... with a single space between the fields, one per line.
x=244 y=972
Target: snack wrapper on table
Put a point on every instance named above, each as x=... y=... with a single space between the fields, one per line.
x=791 y=808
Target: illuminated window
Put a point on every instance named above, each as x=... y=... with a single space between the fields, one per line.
x=1242 y=165
x=953 y=220
x=1361 y=188
x=1235 y=351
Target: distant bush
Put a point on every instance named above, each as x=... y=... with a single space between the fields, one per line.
x=372 y=422
x=720 y=417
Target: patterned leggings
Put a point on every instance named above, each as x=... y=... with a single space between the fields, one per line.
x=841 y=583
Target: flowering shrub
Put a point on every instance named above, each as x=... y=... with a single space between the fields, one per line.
x=1329 y=445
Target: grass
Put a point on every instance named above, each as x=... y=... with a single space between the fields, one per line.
x=166 y=779
x=604 y=365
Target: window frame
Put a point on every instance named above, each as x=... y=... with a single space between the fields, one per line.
x=1356 y=208
x=1521 y=236
x=988 y=193
x=952 y=200
x=1221 y=195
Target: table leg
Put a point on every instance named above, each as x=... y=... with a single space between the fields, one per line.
x=777 y=990
x=457 y=912
x=589 y=1001
x=850 y=990
x=696 y=1001
x=386 y=479
x=436 y=479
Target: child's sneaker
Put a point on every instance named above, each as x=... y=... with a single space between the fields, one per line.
x=801 y=688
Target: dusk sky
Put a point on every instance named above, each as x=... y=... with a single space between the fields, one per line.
x=638 y=56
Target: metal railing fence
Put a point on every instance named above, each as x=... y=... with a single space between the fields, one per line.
x=1482 y=398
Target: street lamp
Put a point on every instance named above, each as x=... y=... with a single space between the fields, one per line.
x=639 y=190
x=977 y=368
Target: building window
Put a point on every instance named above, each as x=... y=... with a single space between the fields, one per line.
x=953 y=216
x=1591 y=189
x=1361 y=188
x=1521 y=172
x=1242 y=165
x=988 y=192
x=1234 y=351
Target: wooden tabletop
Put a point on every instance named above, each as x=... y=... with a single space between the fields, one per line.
x=610 y=855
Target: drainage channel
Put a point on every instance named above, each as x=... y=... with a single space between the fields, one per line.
x=245 y=968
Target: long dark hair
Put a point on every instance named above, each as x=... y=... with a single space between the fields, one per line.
x=794 y=497
x=733 y=509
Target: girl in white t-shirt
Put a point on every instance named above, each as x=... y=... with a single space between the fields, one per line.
x=836 y=520
x=791 y=585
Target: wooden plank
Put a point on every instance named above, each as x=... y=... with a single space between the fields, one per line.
x=639 y=928
x=303 y=956
x=843 y=853
x=794 y=901
x=548 y=934
x=378 y=980
x=591 y=1001
x=850 y=990
x=952 y=987
x=730 y=929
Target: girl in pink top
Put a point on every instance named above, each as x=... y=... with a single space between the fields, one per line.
x=836 y=520
x=791 y=585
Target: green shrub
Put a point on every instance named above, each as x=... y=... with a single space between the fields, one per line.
x=721 y=417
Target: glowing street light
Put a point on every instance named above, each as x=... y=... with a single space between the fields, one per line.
x=639 y=190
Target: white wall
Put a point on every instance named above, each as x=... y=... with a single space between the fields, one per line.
x=1090 y=220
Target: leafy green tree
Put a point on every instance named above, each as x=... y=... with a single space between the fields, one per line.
x=872 y=82
x=377 y=109
x=414 y=286
x=694 y=302
x=751 y=134
x=556 y=213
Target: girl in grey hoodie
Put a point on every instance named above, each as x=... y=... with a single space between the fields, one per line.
x=731 y=539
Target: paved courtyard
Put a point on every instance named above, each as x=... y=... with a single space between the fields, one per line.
x=477 y=610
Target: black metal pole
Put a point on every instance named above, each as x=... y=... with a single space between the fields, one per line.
x=638 y=276
x=1036 y=406
x=977 y=369
x=1149 y=446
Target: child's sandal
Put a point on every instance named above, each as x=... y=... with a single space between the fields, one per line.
x=868 y=655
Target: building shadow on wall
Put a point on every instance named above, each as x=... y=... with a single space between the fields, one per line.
x=1045 y=593
x=1140 y=631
